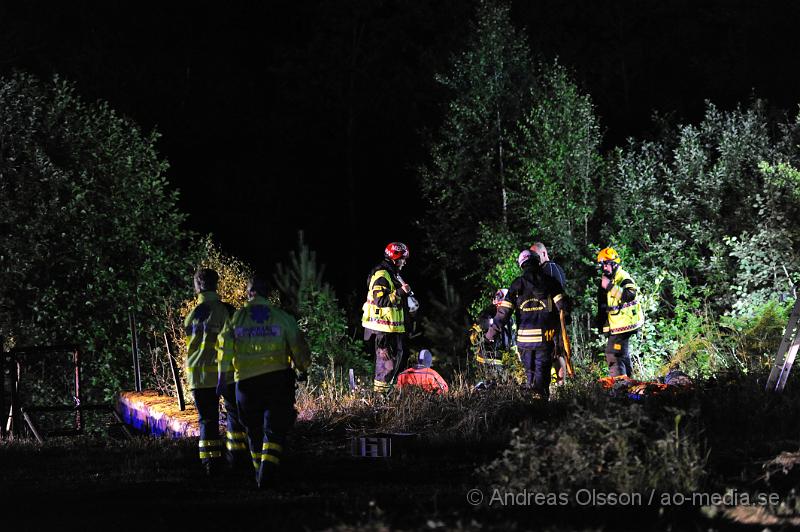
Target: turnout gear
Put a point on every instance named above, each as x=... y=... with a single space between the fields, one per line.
x=384 y=308
x=621 y=304
x=261 y=342
x=537 y=300
x=384 y=319
x=562 y=365
x=619 y=312
x=202 y=327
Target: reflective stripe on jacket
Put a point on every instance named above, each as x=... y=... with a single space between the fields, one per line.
x=623 y=316
x=202 y=326
x=537 y=302
x=260 y=339
x=383 y=310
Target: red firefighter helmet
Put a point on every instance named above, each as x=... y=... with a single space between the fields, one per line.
x=396 y=250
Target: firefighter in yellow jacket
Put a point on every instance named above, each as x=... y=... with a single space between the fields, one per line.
x=619 y=311
x=260 y=343
x=202 y=326
x=385 y=313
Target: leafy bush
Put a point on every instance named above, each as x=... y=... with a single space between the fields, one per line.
x=333 y=351
x=303 y=276
x=445 y=325
x=91 y=229
x=311 y=300
x=232 y=288
x=610 y=447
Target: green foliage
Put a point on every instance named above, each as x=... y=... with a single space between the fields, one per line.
x=707 y=214
x=232 y=288
x=333 y=351
x=445 y=325
x=623 y=450
x=554 y=189
x=91 y=228
x=704 y=215
x=465 y=183
x=301 y=277
x=712 y=203
x=305 y=295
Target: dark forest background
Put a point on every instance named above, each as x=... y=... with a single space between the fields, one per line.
x=286 y=115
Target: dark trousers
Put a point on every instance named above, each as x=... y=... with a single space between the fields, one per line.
x=389 y=357
x=538 y=361
x=617 y=356
x=236 y=437
x=266 y=407
x=210 y=445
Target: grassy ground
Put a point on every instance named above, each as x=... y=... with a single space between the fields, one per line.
x=496 y=440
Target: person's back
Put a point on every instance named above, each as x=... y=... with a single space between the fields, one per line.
x=202 y=327
x=260 y=342
x=422 y=375
x=536 y=299
x=265 y=338
x=426 y=378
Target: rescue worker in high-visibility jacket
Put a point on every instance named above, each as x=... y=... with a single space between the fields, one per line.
x=384 y=314
x=422 y=376
x=619 y=311
x=537 y=300
x=202 y=326
x=260 y=343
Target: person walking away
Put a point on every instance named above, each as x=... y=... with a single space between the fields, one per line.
x=260 y=343
x=202 y=326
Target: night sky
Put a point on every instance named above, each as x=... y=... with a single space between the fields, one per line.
x=285 y=115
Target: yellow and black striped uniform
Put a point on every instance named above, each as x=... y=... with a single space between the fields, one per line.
x=537 y=304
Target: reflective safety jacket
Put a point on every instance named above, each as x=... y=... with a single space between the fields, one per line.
x=622 y=305
x=426 y=378
x=384 y=309
x=202 y=326
x=260 y=339
x=537 y=302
